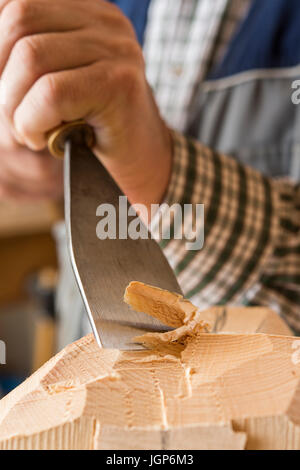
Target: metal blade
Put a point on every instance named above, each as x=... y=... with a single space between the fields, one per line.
x=103 y=268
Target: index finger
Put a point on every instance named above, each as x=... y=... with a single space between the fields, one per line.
x=20 y=18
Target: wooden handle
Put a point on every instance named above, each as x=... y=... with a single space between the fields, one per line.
x=58 y=136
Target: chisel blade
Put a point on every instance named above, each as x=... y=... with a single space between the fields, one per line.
x=104 y=267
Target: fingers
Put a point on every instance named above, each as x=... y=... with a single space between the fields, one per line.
x=55 y=63
x=58 y=97
x=33 y=168
x=31 y=47
x=101 y=93
x=64 y=60
x=42 y=54
x=25 y=174
x=35 y=56
x=22 y=18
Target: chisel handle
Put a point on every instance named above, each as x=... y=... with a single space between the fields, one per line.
x=58 y=136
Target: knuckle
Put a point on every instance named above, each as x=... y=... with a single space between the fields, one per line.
x=26 y=50
x=20 y=127
x=131 y=49
x=124 y=22
x=128 y=75
x=15 y=13
x=128 y=78
x=116 y=18
x=114 y=13
x=49 y=90
x=114 y=8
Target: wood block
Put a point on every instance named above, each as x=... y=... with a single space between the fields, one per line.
x=191 y=390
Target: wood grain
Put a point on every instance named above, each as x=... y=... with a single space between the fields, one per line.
x=220 y=390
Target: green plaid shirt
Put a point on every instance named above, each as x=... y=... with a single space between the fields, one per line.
x=251 y=254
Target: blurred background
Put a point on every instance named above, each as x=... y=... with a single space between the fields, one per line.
x=28 y=279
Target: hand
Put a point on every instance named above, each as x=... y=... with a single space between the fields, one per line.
x=27 y=175
x=62 y=60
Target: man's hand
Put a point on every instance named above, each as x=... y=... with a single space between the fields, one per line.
x=27 y=175
x=62 y=60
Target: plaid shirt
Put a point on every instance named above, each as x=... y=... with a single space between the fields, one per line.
x=251 y=253
x=184 y=38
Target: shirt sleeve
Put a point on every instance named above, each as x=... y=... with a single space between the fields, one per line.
x=251 y=224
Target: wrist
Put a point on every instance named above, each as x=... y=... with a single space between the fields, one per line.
x=142 y=161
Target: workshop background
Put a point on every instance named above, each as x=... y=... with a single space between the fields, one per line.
x=28 y=278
